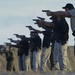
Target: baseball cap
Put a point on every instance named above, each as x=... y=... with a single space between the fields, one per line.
x=68 y=5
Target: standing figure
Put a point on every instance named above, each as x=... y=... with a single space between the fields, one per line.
x=46 y=47
x=35 y=48
x=12 y=62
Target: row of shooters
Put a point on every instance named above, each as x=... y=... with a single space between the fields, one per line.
x=53 y=49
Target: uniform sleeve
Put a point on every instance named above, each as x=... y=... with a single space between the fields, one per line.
x=43 y=32
x=72 y=12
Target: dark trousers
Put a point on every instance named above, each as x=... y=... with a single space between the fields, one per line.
x=51 y=57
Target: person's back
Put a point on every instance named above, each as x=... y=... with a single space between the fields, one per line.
x=46 y=49
x=71 y=11
x=35 y=48
x=35 y=42
x=47 y=38
x=63 y=30
x=15 y=59
x=9 y=56
x=9 y=59
x=24 y=46
x=62 y=40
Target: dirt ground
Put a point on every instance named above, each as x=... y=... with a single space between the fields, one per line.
x=70 y=55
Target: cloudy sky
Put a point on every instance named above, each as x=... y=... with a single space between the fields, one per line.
x=16 y=14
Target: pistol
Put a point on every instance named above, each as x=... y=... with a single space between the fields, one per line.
x=15 y=34
x=35 y=19
x=28 y=26
x=7 y=43
x=9 y=38
x=45 y=10
x=41 y=18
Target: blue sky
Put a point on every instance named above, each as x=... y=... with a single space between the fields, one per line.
x=16 y=14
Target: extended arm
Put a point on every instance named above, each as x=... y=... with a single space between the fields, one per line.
x=31 y=28
x=57 y=13
x=46 y=24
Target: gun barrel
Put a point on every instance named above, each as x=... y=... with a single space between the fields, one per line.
x=9 y=38
x=45 y=10
x=28 y=26
x=15 y=34
x=35 y=19
x=7 y=43
x=41 y=18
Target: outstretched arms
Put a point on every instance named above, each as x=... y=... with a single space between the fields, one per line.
x=57 y=13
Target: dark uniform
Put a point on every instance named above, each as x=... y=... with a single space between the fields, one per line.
x=62 y=30
x=9 y=59
x=46 y=48
x=35 y=48
x=23 y=52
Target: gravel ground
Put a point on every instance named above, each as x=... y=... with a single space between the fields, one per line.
x=70 y=55
x=37 y=73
